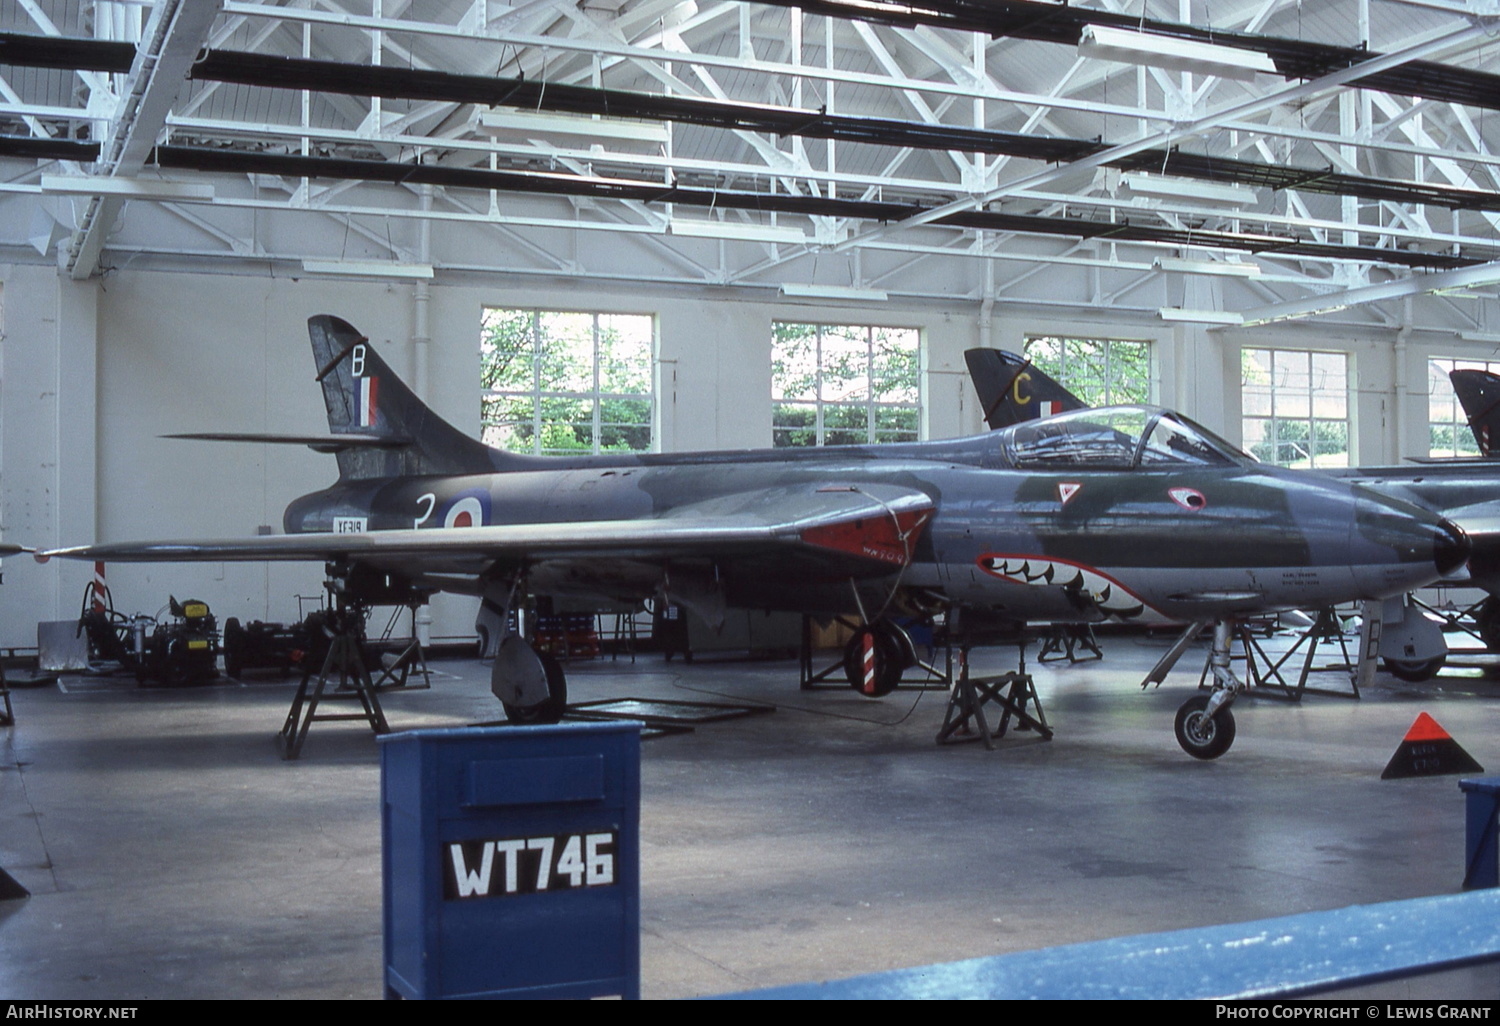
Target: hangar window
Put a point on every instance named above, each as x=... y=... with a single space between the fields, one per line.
x=566 y=383
x=1295 y=405
x=1447 y=424
x=1100 y=371
x=844 y=384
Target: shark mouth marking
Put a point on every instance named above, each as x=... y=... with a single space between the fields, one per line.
x=1086 y=587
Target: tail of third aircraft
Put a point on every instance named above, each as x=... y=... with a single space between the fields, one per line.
x=381 y=428
x=1012 y=390
x=1479 y=393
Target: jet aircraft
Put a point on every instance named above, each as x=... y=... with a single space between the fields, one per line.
x=1109 y=512
x=1466 y=491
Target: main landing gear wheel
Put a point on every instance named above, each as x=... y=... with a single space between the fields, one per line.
x=1200 y=735
x=890 y=660
x=549 y=709
x=1489 y=623
x=1415 y=670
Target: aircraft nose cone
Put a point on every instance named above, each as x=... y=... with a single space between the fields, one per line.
x=1450 y=547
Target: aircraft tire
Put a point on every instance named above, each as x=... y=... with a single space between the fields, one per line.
x=549 y=709
x=1416 y=670
x=234 y=642
x=888 y=662
x=1489 y=623
x=1201 y=736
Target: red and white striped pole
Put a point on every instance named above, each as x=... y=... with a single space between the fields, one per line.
x=98 y=605
x=869 y=683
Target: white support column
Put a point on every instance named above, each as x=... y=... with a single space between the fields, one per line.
x=48 y=443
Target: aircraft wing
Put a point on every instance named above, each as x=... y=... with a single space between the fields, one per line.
x=868 y=529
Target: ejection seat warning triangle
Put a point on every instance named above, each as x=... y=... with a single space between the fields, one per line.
x=1428 y=751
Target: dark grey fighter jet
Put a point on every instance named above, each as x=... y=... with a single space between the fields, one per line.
x=1119 y=512
x=1464 y=490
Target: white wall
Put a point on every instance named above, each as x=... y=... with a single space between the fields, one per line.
x=93 y=373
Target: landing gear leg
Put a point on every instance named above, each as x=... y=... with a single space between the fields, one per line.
x=1205 y=726
x=530 y=685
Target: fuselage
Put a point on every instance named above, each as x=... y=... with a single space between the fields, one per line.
x=1133 y=514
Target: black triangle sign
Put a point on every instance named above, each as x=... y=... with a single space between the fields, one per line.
x=1428 y=751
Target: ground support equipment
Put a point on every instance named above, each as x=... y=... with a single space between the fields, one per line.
x=1013 y=693
x=345 y=625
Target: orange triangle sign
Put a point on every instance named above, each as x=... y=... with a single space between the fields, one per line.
x=1428 y=750
x=1425 y=728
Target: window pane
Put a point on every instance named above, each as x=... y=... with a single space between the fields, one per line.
x=835 y=384
x=845 y=365
x=1100 y=371
x=624 y=354
x=1296 y=406
x=566 y=359
x=505 y=350
x=565 y=382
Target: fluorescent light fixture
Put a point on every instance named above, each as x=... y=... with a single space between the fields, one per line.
x=1486 y=337
x=735 y=230
x=794 y=291
x=1222 y=318
x=1130 y=47
x=1224 y=268
x=126 y=188
x=367 y=268
x=1165 y=187
x=523 y=125
x=1298 y=314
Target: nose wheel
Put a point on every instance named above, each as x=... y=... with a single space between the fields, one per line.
x=1201 y=733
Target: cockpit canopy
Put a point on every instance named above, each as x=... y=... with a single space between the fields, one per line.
x=1119 y=438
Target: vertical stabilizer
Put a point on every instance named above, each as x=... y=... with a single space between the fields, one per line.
x=1011 y=389
x=365 y=398
x=1479 y=393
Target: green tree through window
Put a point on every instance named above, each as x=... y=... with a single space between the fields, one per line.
x=1100 y=371
x=843 y=384
x=559 y=383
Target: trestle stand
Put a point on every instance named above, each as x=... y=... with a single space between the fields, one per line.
x=8 y=718
x=1014 y=693
x=1065 y=640
x=1264 y=674
x=396 y=673
x=346 y=630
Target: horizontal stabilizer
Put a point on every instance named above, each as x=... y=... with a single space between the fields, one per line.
x=318 y=443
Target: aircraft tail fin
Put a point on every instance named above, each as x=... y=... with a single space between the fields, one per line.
x=366 y=399
x=1479 y=393
x=1011 y=389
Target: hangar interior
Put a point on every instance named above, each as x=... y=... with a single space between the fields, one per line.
x=1276 y=216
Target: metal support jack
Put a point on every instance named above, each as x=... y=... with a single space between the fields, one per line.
x=396 y=673
x=1014 y=693
x=1063 y=640
x=347 y=629
x=1264 y=673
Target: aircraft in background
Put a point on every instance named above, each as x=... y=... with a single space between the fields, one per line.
x=1466 y=491
x=1478 y=393
x=1118 y=512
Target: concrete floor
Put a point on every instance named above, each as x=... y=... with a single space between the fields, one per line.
x=171 y=853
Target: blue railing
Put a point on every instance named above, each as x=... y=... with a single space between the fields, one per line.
x=1301 y=955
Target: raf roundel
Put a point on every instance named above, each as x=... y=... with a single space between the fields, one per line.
x=468 y=511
